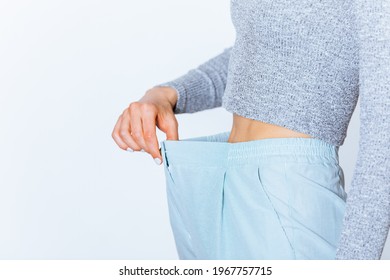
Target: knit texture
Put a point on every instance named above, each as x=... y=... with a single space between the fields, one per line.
x=303 y=64
x=367 y=217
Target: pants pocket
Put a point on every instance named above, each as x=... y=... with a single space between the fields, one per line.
x=280 y=217
x=318 y=206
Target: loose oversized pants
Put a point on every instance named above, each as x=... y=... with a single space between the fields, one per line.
x=274 y=198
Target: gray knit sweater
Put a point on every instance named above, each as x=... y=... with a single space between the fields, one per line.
x=303 y=64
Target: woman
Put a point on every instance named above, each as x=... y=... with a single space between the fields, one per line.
x=272 y=188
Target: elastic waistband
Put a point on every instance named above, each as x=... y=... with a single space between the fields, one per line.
x=214 y=150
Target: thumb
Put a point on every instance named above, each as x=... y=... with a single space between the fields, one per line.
x=172 y=130
x=168 y=124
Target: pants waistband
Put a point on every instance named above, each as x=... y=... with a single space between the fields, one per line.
x=214 y=150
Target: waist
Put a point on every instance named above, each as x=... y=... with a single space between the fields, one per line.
x=245 y=129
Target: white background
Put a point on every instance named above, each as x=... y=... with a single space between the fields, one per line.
x=67 y=71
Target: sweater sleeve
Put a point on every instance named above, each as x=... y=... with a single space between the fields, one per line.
x=367 y=214
x=203 y=87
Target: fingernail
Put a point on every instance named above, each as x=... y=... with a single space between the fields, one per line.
x=157 y=161
x=129 y=150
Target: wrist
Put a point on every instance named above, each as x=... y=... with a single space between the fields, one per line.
x=169 y=92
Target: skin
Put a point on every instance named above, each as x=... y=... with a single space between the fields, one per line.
x=245 y=129
x=136 y=126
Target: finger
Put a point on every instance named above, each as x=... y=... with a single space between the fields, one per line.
x=136 y=131
x=115 y=135
x=124 y=133
x=150 y=137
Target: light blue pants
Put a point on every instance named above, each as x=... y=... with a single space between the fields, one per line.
x=275 y=198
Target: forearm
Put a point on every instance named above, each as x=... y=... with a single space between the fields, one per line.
x=367 y=216
x=203 y=87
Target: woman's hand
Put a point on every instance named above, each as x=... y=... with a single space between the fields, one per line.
x=135 y=129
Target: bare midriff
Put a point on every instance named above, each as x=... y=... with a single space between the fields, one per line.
x=245 y=129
